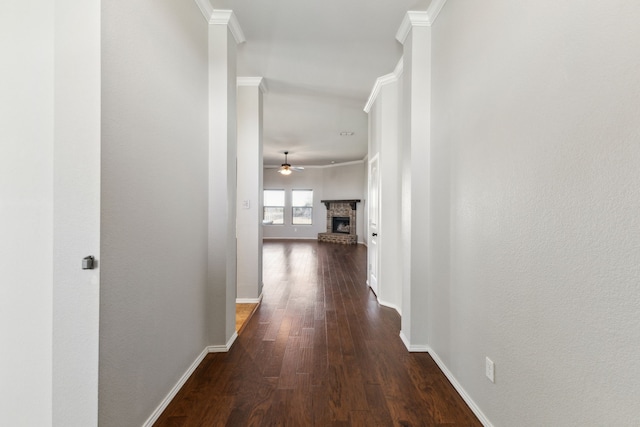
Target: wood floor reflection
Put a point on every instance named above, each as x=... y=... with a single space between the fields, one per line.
x=244 y=311
x=318 y=351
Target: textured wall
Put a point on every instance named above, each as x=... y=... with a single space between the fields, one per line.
x=536 y=194
x=154 y=203
x=249 y=215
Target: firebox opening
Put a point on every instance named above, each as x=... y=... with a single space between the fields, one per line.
x=341 y=225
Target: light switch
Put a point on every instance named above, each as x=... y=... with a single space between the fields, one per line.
x=246 y=204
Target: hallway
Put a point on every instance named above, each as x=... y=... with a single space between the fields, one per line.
x=318 y=351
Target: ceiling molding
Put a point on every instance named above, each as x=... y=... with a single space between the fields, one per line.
x=353 y=162
x=260 y=82
x=415 y=18
x=381 y=81
x=335 y=165
x=227 y=17
x=412 y=19
x=205 y=8
x=434 y=9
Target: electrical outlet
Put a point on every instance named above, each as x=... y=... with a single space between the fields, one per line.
x=490 y=370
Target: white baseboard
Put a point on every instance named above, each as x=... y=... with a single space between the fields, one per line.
x=176 y=388
x=413 y=348
x=387 y=304
x=452 y=379
x=223 y=348
x=249 y=300
x=461 y=391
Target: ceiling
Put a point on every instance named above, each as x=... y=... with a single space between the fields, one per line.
x=320 y=61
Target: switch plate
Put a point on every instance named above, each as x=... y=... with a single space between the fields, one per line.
x=490 y=370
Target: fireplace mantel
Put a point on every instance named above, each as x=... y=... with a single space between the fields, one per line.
x=352 y=202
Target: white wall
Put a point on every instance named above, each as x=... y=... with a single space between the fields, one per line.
x=250 y=194
x=154 y=203
x=536 y=193
x=26 y=212
x=222 y=243
x=76 y=214
x=384 y=141
x=49 y=212
x=415 y=160
x=327 y=183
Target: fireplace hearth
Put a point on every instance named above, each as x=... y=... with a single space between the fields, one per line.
x=341 y=222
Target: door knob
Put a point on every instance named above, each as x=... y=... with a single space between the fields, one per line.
x=88 y=263
x=374 y=234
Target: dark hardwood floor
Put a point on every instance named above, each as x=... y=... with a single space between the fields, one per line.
x=319 y=351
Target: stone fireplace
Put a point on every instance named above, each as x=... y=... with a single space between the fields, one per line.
x=341 y=222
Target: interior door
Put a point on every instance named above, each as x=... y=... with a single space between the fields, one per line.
x=373 y=226
x=76 y=212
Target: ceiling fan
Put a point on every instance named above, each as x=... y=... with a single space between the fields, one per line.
x=286 y=168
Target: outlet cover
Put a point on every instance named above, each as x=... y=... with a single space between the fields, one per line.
x=490 y=370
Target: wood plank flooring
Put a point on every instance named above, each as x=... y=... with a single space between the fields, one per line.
x=318 y=351
x=244 y=311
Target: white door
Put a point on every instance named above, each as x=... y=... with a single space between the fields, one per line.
x=76 y=188
x=373 y=226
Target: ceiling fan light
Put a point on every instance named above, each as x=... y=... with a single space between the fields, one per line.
x=285 y=171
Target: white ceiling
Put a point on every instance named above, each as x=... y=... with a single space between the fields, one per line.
x=320 y=61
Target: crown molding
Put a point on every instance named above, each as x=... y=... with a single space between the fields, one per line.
x=434 y=9
x=205 y=8
x=381 y=81
x=260 y=82
x=412 y=19
x=227 y=17
x=415 y=18
x=335 y=165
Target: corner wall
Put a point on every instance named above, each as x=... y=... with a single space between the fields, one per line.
x=250 y=194
x=154 y=203
x=536 y=193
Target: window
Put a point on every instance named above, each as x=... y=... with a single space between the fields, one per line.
x=273 y=212
x=302 y=207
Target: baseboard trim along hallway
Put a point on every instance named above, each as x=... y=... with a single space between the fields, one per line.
x=463 y=393
x=183 y=379
x=318 y=351
x=176 y=388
